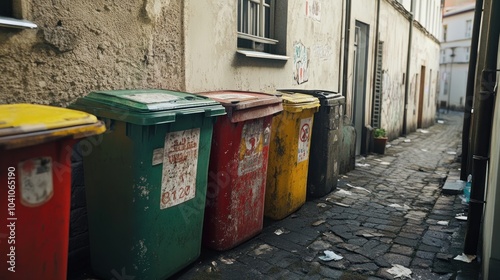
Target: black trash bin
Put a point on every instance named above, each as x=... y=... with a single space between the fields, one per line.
x=325 y=142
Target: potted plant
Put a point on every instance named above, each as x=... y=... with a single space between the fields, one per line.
x=379 y=140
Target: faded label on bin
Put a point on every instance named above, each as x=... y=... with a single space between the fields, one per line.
x=251 y=145
x=150 y=97
x=304 y=139
x=180 y=161
x=239 y=96
x=36 y=183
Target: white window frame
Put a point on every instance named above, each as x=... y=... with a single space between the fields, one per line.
x=467 y=54
x=468 y=28
x=252 y=21
x=14 y=18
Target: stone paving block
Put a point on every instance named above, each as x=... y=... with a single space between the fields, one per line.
x=319 y=244
x=284 y=261
x=393 y=229
x=330 y=273
x=424 y=247
x=357 y=241
x=397 y=259
x=297 y=238
x=422 y=263
x=406 y=241
x=348 y=247
x=356 y=258
x=403 y=250
x=365 y=268
x=425 y=255
x=427 y=274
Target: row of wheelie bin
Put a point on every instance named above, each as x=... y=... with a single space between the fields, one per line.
x=165 y=172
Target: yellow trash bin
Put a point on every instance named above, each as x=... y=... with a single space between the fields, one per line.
x=289 y=155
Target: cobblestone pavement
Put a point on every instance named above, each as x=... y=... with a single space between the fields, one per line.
x=388 y=211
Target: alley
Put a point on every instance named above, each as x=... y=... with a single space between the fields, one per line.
x=388 y=211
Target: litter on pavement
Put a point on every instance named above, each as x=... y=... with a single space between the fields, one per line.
x=399 y=271
x=465 y=258
x=358 y=188
x=461 y=216
x=329 y=256
x=442 y=223
x=280 y=231
x=342 y=191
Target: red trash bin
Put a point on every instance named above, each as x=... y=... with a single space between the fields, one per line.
x=35 y=145
x=238 y=164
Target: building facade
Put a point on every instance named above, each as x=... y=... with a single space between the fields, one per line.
x=454 y=55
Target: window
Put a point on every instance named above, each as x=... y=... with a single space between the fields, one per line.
x=443 y=56
x=11 y=14
x=256 y=28
x=468 y=28
x=467 y=54
x=445 y=30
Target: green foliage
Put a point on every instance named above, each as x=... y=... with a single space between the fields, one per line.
x=379 y=133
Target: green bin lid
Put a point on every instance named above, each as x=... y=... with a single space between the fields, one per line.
x=246 y=105
x=146 y=106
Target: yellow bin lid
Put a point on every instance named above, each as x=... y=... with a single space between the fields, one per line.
x=29 y=124
x=297 y=102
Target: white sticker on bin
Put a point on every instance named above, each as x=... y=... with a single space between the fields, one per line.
x=180 y=161
x=36 y=181
x=151 y=97
x=251 y=157
x=304 y=139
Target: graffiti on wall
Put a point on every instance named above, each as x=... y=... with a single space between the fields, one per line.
x=313 y=9
x=322 y=52
x=393 y=100
x=300 y=63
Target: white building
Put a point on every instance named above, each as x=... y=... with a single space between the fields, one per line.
x=454 y=56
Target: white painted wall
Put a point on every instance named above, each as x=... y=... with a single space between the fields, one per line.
x=211 y=44
x=211 y=61
x=454 y=69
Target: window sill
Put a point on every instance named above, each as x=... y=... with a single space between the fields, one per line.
x=16 y=23
x=256 y=54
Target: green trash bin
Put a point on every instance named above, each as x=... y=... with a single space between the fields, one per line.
x=146 y=180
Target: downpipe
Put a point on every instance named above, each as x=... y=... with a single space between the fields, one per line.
x=483 y=114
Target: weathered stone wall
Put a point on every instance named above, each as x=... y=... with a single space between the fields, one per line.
x=92 y=45
x=81 y=46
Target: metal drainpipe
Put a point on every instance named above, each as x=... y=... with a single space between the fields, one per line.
x=452 y=55
x=407 y=78
x=346 y=46
x=341 y=50
x=469 y=93
x=483 y=113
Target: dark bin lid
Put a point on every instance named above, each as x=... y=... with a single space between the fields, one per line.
x=246 y=105
x=146 y=106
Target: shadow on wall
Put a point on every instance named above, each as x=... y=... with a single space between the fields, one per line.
x=347 y=153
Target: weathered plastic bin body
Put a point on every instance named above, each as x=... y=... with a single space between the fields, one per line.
x=238 y=167
x=325 y=143
x=36 y=143
x=289 y=155
x=146 y=181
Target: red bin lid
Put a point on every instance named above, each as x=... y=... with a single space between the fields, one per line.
x=246 y=105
